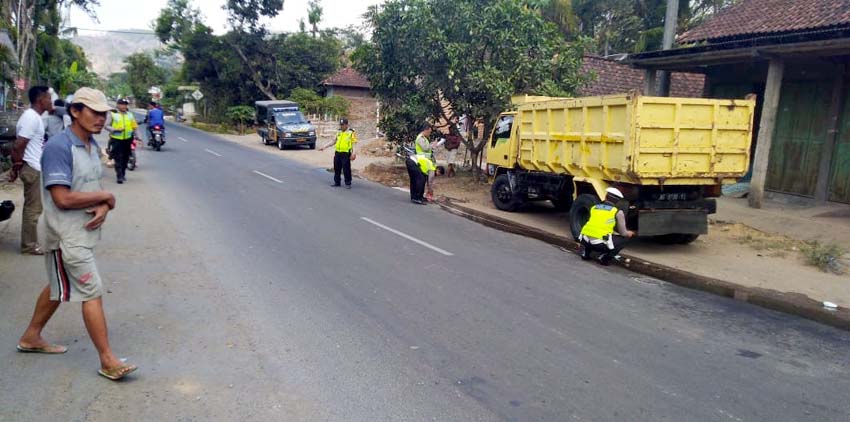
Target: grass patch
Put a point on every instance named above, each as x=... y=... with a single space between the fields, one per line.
x=212 y=127
x=824 y=257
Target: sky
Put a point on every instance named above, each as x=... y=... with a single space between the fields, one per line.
x=122 y=14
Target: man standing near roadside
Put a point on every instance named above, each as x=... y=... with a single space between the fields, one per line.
x=423 y=143
x=345 y=140
x=26 y=164
x=75 y=208
x=121 y=126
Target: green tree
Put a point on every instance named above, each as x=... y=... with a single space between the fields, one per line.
x=117 y=85
x=314 y=16
x=471 y=55
x=240 y=115
x=142 y=73
x=177 y=20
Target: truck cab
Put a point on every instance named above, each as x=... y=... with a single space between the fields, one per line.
x=281 y=123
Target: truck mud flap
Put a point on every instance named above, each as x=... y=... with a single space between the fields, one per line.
x=659 y=222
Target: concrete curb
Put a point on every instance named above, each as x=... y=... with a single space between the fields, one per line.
x=790 y=303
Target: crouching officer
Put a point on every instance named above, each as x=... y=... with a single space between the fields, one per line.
x=422 y=171
x=597 y=235
x=344 y=155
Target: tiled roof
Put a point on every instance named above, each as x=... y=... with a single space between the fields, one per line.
x=347 y=77
x=615 y=78
x=761 y=17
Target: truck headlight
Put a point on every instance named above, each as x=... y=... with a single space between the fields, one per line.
x=287 y=135
x=312 y=133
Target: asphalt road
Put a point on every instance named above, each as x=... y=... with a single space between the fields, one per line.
x=246 y=288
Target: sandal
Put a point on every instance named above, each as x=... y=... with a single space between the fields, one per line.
x=50 y=349
x=117 y=373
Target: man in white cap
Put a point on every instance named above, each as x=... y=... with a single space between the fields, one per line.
x=75 y=208
x=597 y=235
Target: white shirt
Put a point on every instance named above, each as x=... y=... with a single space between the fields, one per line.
x=31 y=126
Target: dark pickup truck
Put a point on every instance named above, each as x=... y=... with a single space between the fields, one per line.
x=281 y=123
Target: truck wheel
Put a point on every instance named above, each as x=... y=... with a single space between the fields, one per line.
x=312 y=145
x=580 y=212
x=676 y=238
x=503 y=196
x=263 y=140
x=280 y=144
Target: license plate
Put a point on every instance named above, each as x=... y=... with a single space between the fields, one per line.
x=302 y=140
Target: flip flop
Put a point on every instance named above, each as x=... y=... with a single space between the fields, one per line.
x=116 y=374
x=50 y=349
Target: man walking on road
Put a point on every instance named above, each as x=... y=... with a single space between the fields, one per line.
x=597 y=235
x=121 y=126
x=345 y=140
x=75 y=209
x=26 y=164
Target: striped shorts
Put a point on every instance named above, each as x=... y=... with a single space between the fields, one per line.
x=73 y=275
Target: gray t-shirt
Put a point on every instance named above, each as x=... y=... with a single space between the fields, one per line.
x=66 y=162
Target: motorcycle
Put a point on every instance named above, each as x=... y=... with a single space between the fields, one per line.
x=131 y=163
x=157 y=137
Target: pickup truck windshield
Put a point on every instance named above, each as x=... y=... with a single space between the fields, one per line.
x=289 y=117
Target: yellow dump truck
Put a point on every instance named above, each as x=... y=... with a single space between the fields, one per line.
x=669 y=157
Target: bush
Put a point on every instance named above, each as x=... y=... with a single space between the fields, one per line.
x=824 y=257
x=312 y=103
x=240 y=115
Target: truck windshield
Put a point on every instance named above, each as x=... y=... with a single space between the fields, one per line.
x=289 y=117
x=503 y=128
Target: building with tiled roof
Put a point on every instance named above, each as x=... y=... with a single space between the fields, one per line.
x=347 y=83
x=795 y=56
x=607 y=76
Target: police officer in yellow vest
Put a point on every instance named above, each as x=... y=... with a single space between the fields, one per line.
x=422 y=171
x=345 y=140
x=121 y=126
x=423 y=144
x=597 y=235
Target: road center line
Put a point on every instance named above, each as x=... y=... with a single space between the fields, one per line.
x=212 y=152
x=182 y=139
x=407 y=236
x=267 y=176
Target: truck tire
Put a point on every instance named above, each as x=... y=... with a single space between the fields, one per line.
x=676 y=238
x=280 y=144
x=263 y=140
x=580 y=212
x=503 y=196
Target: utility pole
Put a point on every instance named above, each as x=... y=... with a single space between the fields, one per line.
x=667 y=43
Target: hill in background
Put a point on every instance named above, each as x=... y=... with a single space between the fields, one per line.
x=107 y=51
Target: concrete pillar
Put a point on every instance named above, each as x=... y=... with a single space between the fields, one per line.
x=835 y=108
x=767 y=126
x=670 y=19
x=649 y=82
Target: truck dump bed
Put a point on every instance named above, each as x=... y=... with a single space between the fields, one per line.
x=637 y=139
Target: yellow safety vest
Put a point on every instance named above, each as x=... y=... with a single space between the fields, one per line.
x=345 y=140
x=603 y=218
x=425 y=163
x=123 y=123
x=419 y=149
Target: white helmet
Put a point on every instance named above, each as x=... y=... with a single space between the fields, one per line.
x=614 y=192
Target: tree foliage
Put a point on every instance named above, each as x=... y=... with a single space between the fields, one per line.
x=240 y=115
x=142 y=73
x=431 y=58
x=309 y=101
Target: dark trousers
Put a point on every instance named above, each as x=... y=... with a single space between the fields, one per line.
x=121 y=149
x=619 y=243
x=417 y=180
x=342 y=164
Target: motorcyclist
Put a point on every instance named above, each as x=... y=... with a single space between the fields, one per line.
x=155 y=117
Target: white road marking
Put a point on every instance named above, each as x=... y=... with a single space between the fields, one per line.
x=212 y=152
x=401 y=189
x=182 y=139
x=267 y=176
x=407 y=236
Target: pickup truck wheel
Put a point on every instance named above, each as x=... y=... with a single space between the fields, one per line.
x=503 y=196
x=312 y=145
x=263 y=140
x=580 y=212
x=280 y=144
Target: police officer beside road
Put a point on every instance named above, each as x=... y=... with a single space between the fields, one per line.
x=422 y=172
x=344 y=143
x=597 y=235
x=121 y=126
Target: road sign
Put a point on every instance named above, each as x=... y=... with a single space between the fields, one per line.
x=197 y=95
